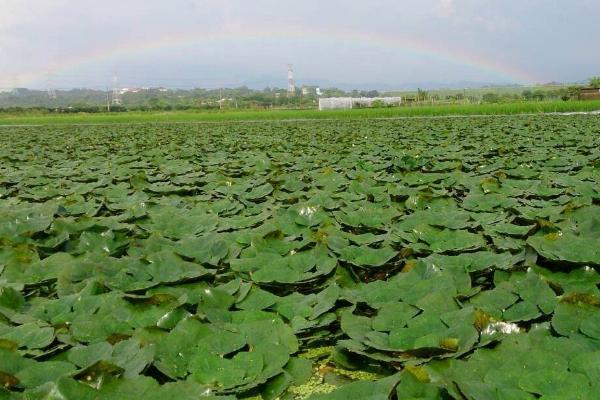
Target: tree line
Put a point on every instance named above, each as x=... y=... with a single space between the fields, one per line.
x=159 y=99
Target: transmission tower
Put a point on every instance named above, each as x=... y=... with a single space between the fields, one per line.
x=291 y=82
x=51 y=90
x=116 y=95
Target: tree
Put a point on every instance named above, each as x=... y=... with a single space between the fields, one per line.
x=595 y=81
x=369 y=93
x=539 y=95
x=491 y=98
x=156 y=103
x=574 y=92
x=422 y=95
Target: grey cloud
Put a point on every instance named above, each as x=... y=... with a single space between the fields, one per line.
x=551 y=40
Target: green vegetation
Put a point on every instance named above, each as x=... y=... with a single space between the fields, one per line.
x=243 y=98
x=452 y=258
x=499 y=94
x=595 y=82
x=232 y=115
x=161 y=99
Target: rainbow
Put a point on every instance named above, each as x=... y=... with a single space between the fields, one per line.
x=346 y=37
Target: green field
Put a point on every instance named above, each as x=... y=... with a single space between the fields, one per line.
x=478 y=92
x=344 y=259
x=396 y=112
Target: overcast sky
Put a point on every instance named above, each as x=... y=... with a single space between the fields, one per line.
x=187 y=43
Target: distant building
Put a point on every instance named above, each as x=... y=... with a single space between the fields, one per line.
x=142 y=89
x=590 y=94
x=330 y=103
x=333 y=103
x=310 y=90
x=368 y=101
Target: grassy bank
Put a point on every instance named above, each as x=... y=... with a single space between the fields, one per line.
x=405 y=111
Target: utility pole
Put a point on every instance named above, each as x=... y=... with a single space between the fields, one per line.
x=116 y=94
x=107 y=100
x=221 y=99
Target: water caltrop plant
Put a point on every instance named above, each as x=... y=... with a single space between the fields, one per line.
x=448 y=258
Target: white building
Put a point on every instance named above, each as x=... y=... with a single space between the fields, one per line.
x=331 y=103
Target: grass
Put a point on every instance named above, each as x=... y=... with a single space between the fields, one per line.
x=216 y=116
x=500 y=90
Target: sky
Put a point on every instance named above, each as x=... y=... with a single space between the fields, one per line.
x=391 y=43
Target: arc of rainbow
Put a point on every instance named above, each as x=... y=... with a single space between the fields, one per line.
x=348 y=37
